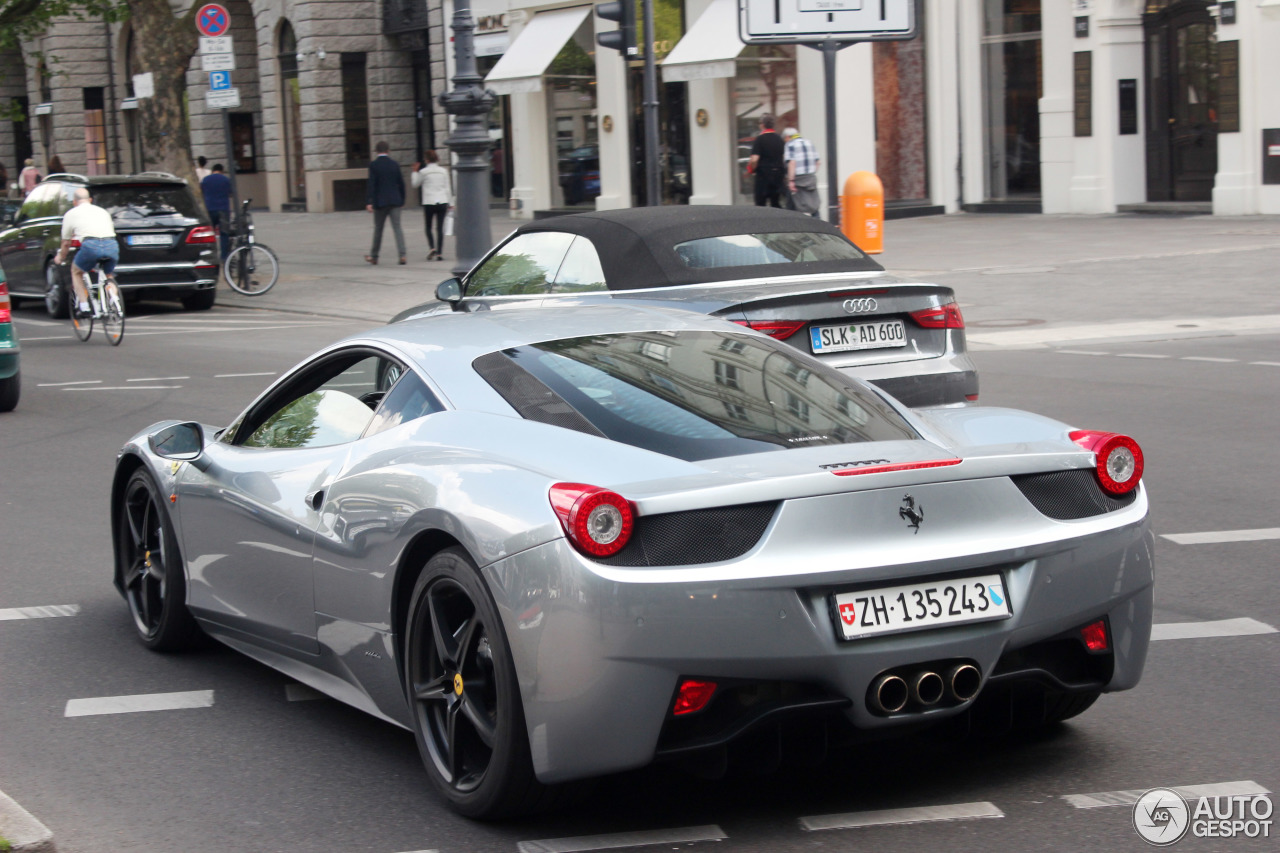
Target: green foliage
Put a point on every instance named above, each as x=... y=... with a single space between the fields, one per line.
x=22 y=19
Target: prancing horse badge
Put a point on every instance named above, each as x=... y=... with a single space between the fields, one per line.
x=912 y=514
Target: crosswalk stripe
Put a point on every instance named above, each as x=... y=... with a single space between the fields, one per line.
x=1242 y=627
x=886 y=817
x=42 y=612
x=139 y=702
x=618 y=840
x=1188 y=792
x=1212 y=537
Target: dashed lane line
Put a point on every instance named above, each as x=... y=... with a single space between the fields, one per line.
x=1209 y=358
x=618 y=840
x=889 y=817
x=1213 y=537
x=1267 y=363
x=139 y=702
x=64 y=384
x=1188 y=792
x=1140 y=355
x=1243 y=627
x=43 y=612
x=126 y=388
x=159 y=379
x=238 y=375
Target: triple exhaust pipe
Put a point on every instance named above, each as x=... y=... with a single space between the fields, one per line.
x=890 y=693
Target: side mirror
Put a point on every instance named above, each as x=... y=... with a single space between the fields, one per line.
x=181 y=442
x=450 y=290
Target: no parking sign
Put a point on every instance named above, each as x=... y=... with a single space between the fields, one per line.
x=213 y=20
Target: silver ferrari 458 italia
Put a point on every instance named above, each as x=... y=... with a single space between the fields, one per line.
x=561 y=544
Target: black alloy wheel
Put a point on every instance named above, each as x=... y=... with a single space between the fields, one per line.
x=153 y=580
x=464 y=696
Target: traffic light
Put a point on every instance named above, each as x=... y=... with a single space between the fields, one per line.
x=623 y=39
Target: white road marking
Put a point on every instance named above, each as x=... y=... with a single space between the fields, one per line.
x=159 y=379
x=27 y=321
x=1209 y=358
x=1243 y=627
x=301 y=693
x=1139 y=355
x=238 y=375
x=1082 y=352
x=43 y=612
x=139 y=702
x=125 y=388
x=1188 y=792
x=888 y=817
x=1267 y=363
x=623 y=839
x=77 y=382
x=1157 y=329
x=1215 y=536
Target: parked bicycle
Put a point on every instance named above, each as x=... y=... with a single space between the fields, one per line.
x=251 y=267
x=105 y=304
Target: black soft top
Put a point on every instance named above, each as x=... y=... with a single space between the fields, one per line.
x=637 y=245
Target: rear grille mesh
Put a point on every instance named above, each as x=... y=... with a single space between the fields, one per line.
x=695 y=536
x=1070 y=495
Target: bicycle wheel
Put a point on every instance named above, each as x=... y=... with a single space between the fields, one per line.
x=112 y=315
x=252 y=270
x=81 y=324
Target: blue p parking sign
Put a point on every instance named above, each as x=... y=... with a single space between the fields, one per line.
x=219 y=80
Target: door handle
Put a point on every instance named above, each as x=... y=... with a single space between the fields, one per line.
x=315 y=499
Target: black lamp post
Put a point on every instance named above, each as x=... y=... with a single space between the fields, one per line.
x=470 y=103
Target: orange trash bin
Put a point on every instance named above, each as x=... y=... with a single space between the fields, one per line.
x=862 y=212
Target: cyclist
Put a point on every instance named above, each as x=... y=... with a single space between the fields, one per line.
x=92 y=226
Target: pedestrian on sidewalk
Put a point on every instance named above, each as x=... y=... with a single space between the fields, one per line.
x=202 y=168
x=384 y=198
x=802 y=172
x=28 y=177
x=434 y=181
x=767 y=164
x=55 y=165
x=216 y=189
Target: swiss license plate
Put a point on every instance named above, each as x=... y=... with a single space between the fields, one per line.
x=851 y=336
x=914 y=607
x=150 y=240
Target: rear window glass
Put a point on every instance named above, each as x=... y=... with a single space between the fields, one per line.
x=751 y=250
x=140 y=206
x=702 y=395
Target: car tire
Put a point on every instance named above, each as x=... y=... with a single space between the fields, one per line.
x=153 y=577
x=10 y=391
x=57 y=300
x=201 y=300
x=463 y=695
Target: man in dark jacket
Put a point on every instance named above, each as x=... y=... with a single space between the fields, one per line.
x=385 y=197
x=767 y=162
x=216 y=189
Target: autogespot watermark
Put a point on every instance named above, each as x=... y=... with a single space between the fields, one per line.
x=1162 y=817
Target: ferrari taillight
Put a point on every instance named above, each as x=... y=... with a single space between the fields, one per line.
x=597 y=521
x=780 y=329
x=945 y=316
x=1117 y=459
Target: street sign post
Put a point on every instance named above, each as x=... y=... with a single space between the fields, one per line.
x=218 y=44
x=213 y=20
x=219 y=80
x=223 y=99
x=828 y=26
x=217 y=56
x=217 y=61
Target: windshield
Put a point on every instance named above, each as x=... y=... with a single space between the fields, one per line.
x=749 y=250
x=148 y=206
x=702 y=395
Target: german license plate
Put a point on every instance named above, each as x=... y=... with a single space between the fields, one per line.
x=914 y=607
x=150 y=240
x=852 y=336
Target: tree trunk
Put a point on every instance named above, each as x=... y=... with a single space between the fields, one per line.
x=164 y=43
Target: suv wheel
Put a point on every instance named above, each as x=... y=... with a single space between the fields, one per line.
x=201 y=300
x=56 y=300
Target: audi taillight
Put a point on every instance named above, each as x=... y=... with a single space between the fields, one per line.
x=597 y=521
x=1117 y=459
x=202 y=234
x=5 y=315
x=780 y=329
x=945 y=316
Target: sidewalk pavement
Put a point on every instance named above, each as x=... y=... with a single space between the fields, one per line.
x=1010 y=272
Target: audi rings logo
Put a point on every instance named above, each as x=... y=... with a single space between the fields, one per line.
x=860 y=306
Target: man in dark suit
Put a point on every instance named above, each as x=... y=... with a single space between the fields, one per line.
x=384 y=198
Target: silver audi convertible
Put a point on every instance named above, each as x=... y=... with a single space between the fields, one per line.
x=561 y=544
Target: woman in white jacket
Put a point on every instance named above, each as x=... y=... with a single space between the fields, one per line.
x=434 y=181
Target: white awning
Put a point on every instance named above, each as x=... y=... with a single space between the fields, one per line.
x=709 y=48
x=521 y=68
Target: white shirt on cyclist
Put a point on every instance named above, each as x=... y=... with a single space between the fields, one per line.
x=87 y=220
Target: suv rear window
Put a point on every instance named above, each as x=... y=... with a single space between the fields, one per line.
x=750 y=250
x=141 y=205
x=691 y=394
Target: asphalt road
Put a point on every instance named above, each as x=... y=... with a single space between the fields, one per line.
x=269 y=768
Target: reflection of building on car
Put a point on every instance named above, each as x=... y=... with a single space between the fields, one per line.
x=791 y=275
x=580 y=174
x=167 y=246
x=562 y=544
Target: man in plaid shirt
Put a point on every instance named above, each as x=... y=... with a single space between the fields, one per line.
x=802 y=171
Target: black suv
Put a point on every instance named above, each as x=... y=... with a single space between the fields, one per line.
x=167 y=246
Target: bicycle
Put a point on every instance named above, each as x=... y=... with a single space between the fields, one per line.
x=104 y=304
x=251 y=267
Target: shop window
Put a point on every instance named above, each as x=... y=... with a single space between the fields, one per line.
x=95 y=132
x=355 y=109
x=244 y=142
x=765 y=83
x=902 y=161
x=1014 y=85
x=570 y=85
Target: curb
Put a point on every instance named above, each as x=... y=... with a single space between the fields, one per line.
x=20 y=828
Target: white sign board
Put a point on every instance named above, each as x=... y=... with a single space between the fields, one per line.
x=42 y=109
x=796 y=21
x=217 y=62
x=217 y=44
x=144 y=85
x=223 y=99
